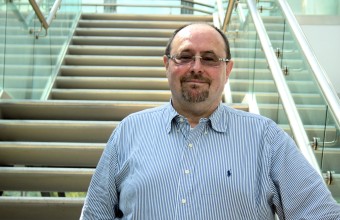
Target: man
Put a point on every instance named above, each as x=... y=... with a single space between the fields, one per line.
x=196 y=158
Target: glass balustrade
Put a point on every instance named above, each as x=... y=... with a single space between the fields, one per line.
x=310 y=100
x=30 y=54
x=251 y=80
x=319 y=121
x=3 y=9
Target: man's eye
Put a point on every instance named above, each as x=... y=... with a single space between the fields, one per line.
x=184 y=57
x=209 y=58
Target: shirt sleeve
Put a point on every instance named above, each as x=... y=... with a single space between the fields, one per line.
x=299 y=191
x=102 y=196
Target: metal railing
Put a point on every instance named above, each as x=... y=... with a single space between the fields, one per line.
x=45 y=22
x=208 y=9
x=326 y=87
x=288 y=103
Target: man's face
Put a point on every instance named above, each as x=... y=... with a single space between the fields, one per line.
x=195 y=82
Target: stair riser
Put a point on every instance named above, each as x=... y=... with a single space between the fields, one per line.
x=50 y=155
x=117 y=50
x=113 y=95
x=131 y=24
x=269 y=86
x=308 y=116
x=109 y=83
x=119 y=41
x=270 y=98
x=113 y=71
x=113 y=61
x=56 y=132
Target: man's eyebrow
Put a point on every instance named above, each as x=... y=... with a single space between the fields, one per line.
x=202 y=52
x=208 y=52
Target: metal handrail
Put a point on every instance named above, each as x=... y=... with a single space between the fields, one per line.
x=321 y=77
x=45 y=23
x=283 y=89
x=144 y=5
x=227 y=16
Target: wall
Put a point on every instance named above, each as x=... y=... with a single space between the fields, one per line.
x=323 y=34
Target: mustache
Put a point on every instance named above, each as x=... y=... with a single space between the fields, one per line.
x=198 y=77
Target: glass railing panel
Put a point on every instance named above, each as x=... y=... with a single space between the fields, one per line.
x=242 y=44
x=51 y=47
x=30 y=53
x=18 y=50
x=251 y=79
x=310 y=101
x=3 y=11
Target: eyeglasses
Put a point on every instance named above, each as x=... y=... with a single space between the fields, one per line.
x=209 y=59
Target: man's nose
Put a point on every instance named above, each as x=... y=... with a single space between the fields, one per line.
x=197 y=62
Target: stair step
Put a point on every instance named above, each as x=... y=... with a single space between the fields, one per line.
x=146 y=17
x=27 y=70
x=50 y=179
x=310 y=114
x=123 y=32
x=56 y=130
x=113 y=71
x=71 y=110
x=26 y=59
x=270 y=98
x=116 y=50
x=329 y=158
x=113 y=60
x=15 y=49
x=76 y=110
x=28 y=40
x=119 y=41
x=315 y=131
x=113 y=94
x=268 y=86
x=131 y=24
x=113 y=83
x=39 y=208
x=50 y=154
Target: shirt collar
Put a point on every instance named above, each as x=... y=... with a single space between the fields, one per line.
x=218 y=120
x=171 y=113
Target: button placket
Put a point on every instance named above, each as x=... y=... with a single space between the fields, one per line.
x=188 y=160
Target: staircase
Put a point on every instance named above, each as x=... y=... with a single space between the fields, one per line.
x=251 y=74
x=50 y=148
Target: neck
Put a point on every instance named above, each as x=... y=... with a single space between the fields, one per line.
x=194 y=111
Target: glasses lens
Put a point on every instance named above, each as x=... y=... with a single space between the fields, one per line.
x=210 y=60
x=183 y=58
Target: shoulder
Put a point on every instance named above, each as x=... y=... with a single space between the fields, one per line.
x=251 y=122
x=240 y=115
x=158 y=111
x=150 y=118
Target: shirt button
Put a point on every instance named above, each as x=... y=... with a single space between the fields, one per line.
x=186 y=171
x=181 y=120
x=190 y=145
x=184 y=201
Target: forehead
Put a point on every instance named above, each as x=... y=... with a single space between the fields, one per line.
x=198 y=38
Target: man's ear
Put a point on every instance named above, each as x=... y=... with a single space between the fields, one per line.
x=166 y=62
x=229 y=67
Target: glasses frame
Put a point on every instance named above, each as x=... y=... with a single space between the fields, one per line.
x=193 y=59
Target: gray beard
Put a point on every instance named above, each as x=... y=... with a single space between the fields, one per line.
x=194 y=97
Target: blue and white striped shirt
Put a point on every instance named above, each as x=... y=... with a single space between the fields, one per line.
x=233 y=165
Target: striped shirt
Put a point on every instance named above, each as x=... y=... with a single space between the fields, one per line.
x=232 y=165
